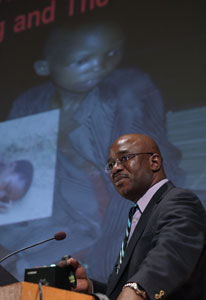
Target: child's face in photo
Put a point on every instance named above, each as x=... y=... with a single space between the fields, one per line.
x=12 y=187
x=86 y=58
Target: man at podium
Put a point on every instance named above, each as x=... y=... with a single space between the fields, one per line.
x=163 y=254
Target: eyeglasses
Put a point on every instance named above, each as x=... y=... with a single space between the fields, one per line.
x=122 y=160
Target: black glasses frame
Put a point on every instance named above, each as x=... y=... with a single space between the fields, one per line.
x=122 y=160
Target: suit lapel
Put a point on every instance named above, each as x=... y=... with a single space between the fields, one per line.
x=138 y=232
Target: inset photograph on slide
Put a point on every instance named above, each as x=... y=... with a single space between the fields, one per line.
x=27 y=167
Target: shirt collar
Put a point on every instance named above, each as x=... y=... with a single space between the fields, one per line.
x=145 y=199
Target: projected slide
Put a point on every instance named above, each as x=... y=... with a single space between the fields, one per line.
x=76 y=75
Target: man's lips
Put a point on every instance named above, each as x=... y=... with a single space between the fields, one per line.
x=118 y=178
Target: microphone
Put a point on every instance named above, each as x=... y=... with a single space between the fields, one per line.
x=58 y=237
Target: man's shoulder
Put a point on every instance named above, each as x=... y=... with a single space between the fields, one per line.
x=182 y=198
x=180 y=191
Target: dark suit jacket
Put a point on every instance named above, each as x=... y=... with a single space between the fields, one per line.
x=166 y=254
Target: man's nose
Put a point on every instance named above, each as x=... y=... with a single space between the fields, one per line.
x=117 y=167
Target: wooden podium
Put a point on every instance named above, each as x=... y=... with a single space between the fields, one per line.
x=30 y=291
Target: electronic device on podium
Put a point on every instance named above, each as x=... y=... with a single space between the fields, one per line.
x=47 y=275
x=52 y=276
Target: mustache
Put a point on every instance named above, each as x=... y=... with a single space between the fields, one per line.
x=118 y=176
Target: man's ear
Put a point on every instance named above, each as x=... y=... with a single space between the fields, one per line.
x=41 y=67
x=156 y=162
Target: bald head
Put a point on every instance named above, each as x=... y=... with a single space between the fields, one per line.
x=142 y=141
x=136 y=165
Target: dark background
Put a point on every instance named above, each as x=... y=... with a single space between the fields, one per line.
x=167 y=39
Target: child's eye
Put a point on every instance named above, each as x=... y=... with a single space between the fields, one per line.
x=112 y=52
x=81 y=61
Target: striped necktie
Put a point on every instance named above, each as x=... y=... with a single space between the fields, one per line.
x=132 y=211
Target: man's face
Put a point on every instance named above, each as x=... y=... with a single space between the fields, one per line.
x=135 y=177
x=86 y=58
x=12 y=187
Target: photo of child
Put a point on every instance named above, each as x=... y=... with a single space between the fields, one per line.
x=15 y=180
x=98 y=101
